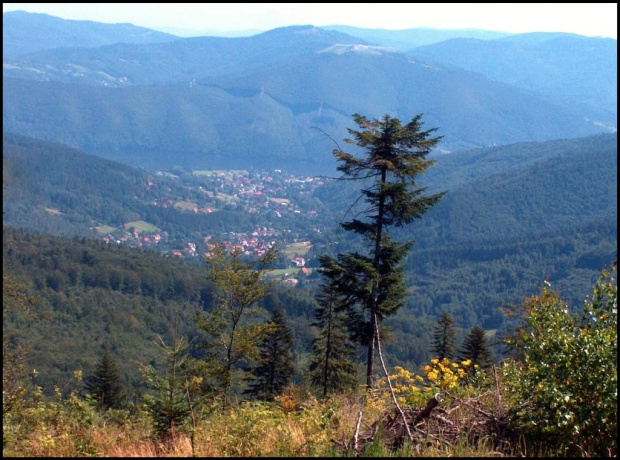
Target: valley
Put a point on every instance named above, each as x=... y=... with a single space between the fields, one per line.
x=202 y=252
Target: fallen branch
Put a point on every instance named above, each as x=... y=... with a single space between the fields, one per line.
x=400 y=411
x=468 y=404
x=357 y=430
x=424 y=413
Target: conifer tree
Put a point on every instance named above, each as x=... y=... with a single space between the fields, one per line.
x=331 y=367
x=276 y=367
x=443 y=345
x=395 y=154
x=104 y=385
x=475 y=348
x=167 y=403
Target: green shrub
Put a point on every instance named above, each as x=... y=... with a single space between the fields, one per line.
x=563 y=382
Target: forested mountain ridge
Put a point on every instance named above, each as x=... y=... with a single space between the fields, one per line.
x=91 y=296
x=52 y=188
x=25 y=33
x=232 y=127
x=173 y=62
x=549 y=63
x=520 y=190
x=465 y=261
x=278 y=97
x=407 y=39
x=571 y=184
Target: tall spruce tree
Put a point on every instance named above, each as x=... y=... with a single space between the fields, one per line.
x=105 y=384
x=443 y=345
x=331 y=366
x=475 y=348
x=276 y=368
x=395 y=154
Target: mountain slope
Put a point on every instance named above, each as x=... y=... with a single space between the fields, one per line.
x=271 y=116
x=512 y=216
x=523 y=190
x=278 y=98
x=567 y=66
x=24 y=33
x=573 y=184
x=406 y=39
x=468 y=109
x=182 y=60
x=51 y=188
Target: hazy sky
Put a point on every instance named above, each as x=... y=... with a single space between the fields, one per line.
x=590 y=19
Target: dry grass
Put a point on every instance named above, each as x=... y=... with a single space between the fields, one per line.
x=295 y=425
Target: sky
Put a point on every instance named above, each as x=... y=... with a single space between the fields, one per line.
x=589 y=19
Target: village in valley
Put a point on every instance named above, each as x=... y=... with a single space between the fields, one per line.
x=263 y=192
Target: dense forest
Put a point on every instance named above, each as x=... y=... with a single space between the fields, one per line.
x=78 y=307
x=467 y=264
x=80 y=303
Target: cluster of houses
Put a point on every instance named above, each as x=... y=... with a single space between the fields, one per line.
x=255 y=244
x=135 y=239
x=254 y=191
x=259 y=190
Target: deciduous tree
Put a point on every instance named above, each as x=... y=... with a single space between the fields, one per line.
x=563 y=382
x=235 y=325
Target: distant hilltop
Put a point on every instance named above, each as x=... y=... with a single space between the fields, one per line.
x=364 y=49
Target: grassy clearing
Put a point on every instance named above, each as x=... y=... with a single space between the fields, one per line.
x=142 y=227
x=297 y=249
x=104 y=229
x=285 y=272
x=185 y=205
x=222 y=197
x=282 y=272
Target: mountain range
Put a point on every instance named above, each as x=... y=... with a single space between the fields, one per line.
x=282 y=98
x=24 y=33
